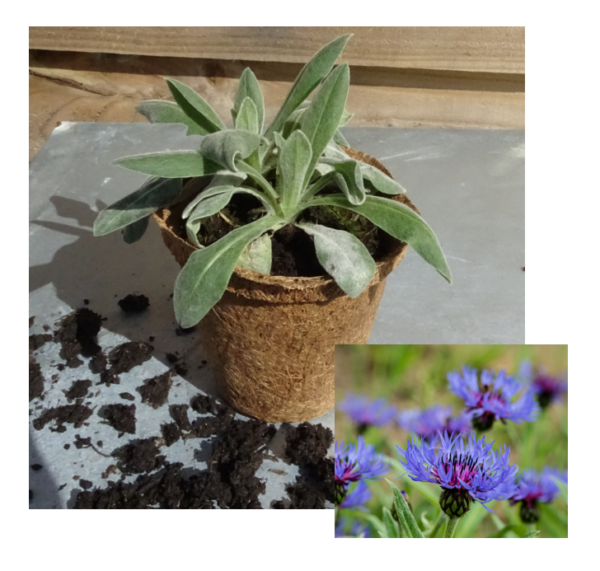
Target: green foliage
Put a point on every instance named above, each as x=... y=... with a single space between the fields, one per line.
x=292 y=165
x=405 y=516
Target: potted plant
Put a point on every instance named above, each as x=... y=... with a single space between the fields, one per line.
x=296 y=187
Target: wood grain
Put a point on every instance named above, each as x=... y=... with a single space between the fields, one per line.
x=484 y=49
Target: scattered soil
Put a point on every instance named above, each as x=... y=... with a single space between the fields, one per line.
x=171 y=358
x=30 y=495
x=74 y=414
x=139 y=456
x=36 y=467
x=178 y=413
x=82 y=442
x=307 y=443
x=31 y=320
x=79 y=389
x=205 y=404
x=181 y=369
x=67 y=446
x=134 y=303
x=155 y=391
x=170 y=433
x=127 y=396
x=85 y=484
x=77 y=336
x=294 y=254
x=38 y=340
x=86 y=302
x=180 y=331
x=120 y=416
x=98 y=363
x=123 y=358
x=36 y=380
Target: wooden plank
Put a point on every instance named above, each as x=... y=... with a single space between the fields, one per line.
x=472 y=49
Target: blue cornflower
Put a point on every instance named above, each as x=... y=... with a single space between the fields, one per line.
x=357 y=497
x=534 y=488
x=354 y=463
x=489 y=399
x=546 y=388
x=466 y=472
x=365 y=412
x=355 y=529
x=429 y=422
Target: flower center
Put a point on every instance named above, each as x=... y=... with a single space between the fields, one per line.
x=347 y=474
x=463 y=466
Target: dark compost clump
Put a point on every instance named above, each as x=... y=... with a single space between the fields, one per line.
x=134 y=303
x=139 y=456
x=77 y=336
x=123 y=358
x=36 y=380
x=78 y=389
x=120 y=416
x=155 y=391
x=75 y=414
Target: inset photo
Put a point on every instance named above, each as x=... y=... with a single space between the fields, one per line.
x=451 y=441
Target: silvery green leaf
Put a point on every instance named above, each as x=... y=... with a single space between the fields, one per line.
x=348 y=177
x=309 y=77
x=401 y=222
x=405 y=516
x=295 y=157
x=247 y=116
x=279 y=139
x=192 y=227
x=195 y=107
x=320 y=120
x=531 y=534
x=249 y=87
x=170 y=164
x=333 y=154
x=378 y=180
x=322 y=169
x=225 y=146
x=339 y=138
x=222 y=181
x=346 y=116
x=202 y=281
x=154 y=194
x=343 y=256
x=294 y=121
x=210 y=205
x=159 y=111
x=391 y=525
x=135 y=230
x=257 y=255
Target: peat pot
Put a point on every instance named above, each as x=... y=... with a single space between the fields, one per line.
x=270 y=340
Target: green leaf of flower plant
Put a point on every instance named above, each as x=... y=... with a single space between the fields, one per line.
x=204 y=278
x=295 y=156
x=564 y=492
x=378 y=180
x=195 y=107
x=349 y=179
x=321 y=119
x=405 y=516
x=257 y=255
x=170 y=164
x=343 y=256
x=159 y=111
x=210 y=205
x=135 y=230
x=192 y=228
x=309 y=77
x=225 y=146
x=531 y=534
x=249 y=87
x=391 y=525
x=154 y=194
x=247 y=117
x=401 y=222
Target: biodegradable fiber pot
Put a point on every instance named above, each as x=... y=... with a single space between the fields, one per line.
x=271 y=339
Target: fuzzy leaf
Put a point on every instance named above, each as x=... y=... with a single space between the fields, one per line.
x=257 y=255
x=295 y=156
x=380 y=181
x=154 y=194
x=531 y=534
x=338 y=137
x=321 y=119
x=159 y=111
x=202 y=281
x=249 y=87
x=349 y=179
x=192 y=228
x=195 y=107
x=225 y=146
x=343 y=256
x=346 y=116
x=136 y=230
x=210 y=205
x=170 y=164
x=279 y=140
x=391 y=525
x=309 y=77
x=401 y=222
x=247 y=117
x=205 y=195
x=405 y=516
x=374 y=521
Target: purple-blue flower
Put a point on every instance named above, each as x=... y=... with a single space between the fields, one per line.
x=355 y=529
x=547 y=388
x=534 y=488
x=429 y=422
x=466 y=472
x=354 y=463
x=356 y=497
x=365 y=412
x=488 y=398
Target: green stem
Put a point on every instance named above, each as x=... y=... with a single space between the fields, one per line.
x=318 y=185
x=262 y=182
x=438 y=524
x=451 y=527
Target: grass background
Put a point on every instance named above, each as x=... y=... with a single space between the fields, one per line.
x=412 y=376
